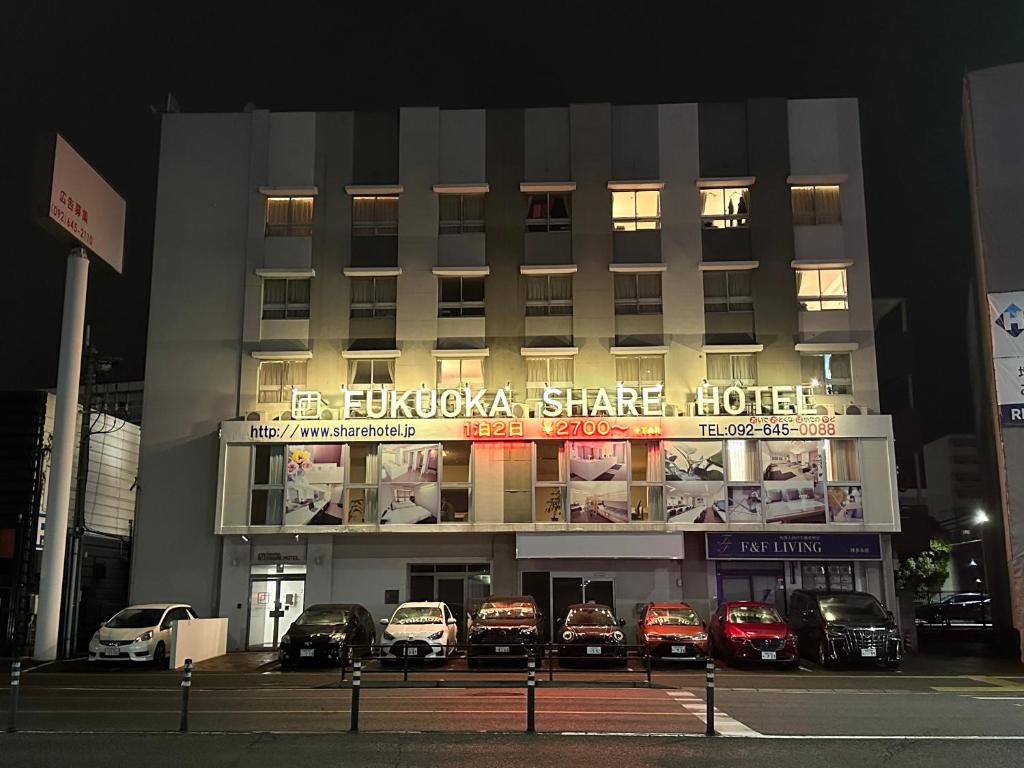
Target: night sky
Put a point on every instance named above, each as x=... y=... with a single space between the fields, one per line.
x=96 y=77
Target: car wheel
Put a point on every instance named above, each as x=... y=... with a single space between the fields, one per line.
x=160 y=656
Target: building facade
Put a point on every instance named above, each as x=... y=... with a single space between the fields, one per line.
x=615 y=352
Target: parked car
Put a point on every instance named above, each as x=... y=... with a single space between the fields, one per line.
x=504 y=628
x=419 y=631
x=590 y=632
x=963 y=606
x=139 y=633
x=844 y=626
x=332 y=633
x=750 y=632
x=671 y=632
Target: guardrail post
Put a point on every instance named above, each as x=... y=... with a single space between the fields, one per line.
x=357 y=682
x=551 y=663
x=650 y=663
x=531 y=693
x=405 y=663
x=186 y=686
x=12 y=723
x=710 y=697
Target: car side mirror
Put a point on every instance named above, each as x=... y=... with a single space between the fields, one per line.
x=473 y=616
x=384 y=622
x=452 y=622
x=890 y=615
x=165 y=625
x=103 y=624
x=559 y=621
x=622 y=622
x=808 y=614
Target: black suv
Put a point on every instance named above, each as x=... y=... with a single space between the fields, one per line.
x=504 y=628
x=844 y=626
x=333 y=633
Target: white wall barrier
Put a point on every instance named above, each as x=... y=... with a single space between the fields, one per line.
x=198 y=639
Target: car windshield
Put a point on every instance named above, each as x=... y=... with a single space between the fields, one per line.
x=509 y=610
x=417 y=615
x=754 y=614
x=674 y=617
x=136 y=618
x=851 y=608
x=594 y=617
x=324 y=616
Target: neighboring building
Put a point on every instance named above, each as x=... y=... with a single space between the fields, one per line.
x=603 y=285
x=993 y=124
x=118 y=398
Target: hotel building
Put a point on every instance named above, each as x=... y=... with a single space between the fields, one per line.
x=602 y=352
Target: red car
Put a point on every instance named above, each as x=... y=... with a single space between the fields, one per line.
x=671 y=632
x=747 y=632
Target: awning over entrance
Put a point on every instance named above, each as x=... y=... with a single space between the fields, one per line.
x=642 y=544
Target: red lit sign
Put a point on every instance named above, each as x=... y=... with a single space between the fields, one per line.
x=568 y=429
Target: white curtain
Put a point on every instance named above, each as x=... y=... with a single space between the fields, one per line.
x=826 y=205
x=843 y=464
x=803 y=205
x=719 y=368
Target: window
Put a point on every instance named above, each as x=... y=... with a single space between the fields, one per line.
x=637 y=293
x=374 y=296
x=454 y=373
x=549 y=295
x=289 y=217
x=278 y=378
x=361 y=489
x=549 y=212
x=725 y=370
x=633 y=210
x=821 y=289
x=460 y=213
x=266 y=504
x=828 y=373
x=376 y=215
x=547 y=372
x=286 y=299
x=372 y=374
x=640 y=370
x=816 y=205
x=460 y=296
x=456 y=461
x=726 y=207
x=728 y=291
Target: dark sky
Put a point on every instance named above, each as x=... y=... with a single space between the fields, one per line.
x=94 y=76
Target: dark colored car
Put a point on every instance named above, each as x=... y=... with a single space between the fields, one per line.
x=504 y=628
x=328 y=633
x=963 y=606
x=590 y=632
x=671 y=632
x=844 y=626
x=744 y=632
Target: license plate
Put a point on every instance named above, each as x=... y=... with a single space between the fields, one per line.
x=678 y=649
x=593 y=650
x=410 y=651
x=869 y=652
x=111 y=651
x=502 y=649
x=768 y=656
x=305 y=652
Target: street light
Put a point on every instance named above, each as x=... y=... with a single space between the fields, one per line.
x=980 y=518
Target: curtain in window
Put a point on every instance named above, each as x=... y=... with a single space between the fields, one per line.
x=278 y=211
x=386 y=210
x=362 y=371
x=386 y=289
x=812 y=367
x=652 y=369
x=298 y=291
x=536 y=289
x=473 y=207
x=448 y=208
x=561 y=287
x=536 y=370
x=302 y=211
x=803 y=205
x=714 y=284
x=719 y=367
x=276 y=474
x=842 y=459
x=627 y=369
x=839 y=367
x=362 y=290
x=649 y=285
x=473 y=371
x=294 y=373
x=744 y=367
x=384 y=371
x=362 y=210
x=275 y=291
x=742 y=461
x=625 y=287
x=560 y=369
x=448 y=374
x=740 y=285
x=648 y=204
x=653 y=462
x=826 y=205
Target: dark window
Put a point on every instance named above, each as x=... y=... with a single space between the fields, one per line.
x=637 y=293
x=460 y=296
x=460 y=213
x=374 y=296
x=549 y=212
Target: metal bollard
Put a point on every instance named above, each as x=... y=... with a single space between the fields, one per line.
x=531 y=693
x=12 y=725
x=405 y=664
x=650 y=663
x=186 y=686
x=357 y=682
x=710 y=696
x=551 y=663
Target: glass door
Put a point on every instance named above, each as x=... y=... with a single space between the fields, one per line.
x=274 y=603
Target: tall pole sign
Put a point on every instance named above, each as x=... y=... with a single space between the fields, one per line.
x=82 y=209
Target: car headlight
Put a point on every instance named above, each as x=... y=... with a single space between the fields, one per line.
x=567 y=635
x=387 y=636
x=337 y=637
x=834 y=631
x=437 y=635
x=699 y=638
x=145 y=636
x=285 y=639
x=617 y=636
x=790 y=638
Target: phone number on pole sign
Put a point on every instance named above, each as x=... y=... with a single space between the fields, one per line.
x=774 y=426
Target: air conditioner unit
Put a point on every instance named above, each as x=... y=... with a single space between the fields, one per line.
x=857 y=409
x=520 y=410
x=330 y=414
x=256 y=416
x=823 y=410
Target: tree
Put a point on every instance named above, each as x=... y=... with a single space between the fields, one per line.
x=926 y=571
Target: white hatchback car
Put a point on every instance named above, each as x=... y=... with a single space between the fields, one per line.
x=419 y=631
x=138 y=633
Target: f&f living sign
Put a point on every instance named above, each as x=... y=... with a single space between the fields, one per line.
x=793 y=546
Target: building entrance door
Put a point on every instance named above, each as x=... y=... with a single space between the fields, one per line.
x=567 y=591
x=455 y=584
x=275 y=601
x=760 y=582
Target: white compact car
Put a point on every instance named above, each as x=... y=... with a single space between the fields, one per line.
x=419 y=631
x=138 y=633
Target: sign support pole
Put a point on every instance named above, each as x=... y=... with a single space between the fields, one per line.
x=59 y=493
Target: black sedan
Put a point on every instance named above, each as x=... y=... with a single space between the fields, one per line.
x=328 y=633
x=504 y=628
x=591 y=633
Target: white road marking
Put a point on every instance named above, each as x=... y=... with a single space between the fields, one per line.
x=725 y=725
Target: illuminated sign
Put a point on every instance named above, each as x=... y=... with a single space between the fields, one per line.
x=738 y=401
x=576 y=427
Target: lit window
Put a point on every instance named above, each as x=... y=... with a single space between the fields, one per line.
x=636 y=209
x=286 y=299
x=725 y=207
x=277 y=379
x=455 y=373
x=728 y=370
x=637 y=293
x=266 y=498
x=460 y=296
x=821 y=289
x=289 y=217
x=372 y=374
x=374 y=296
x=375 y=215
x=640 y=370
x=816 y=205
x=728 y=291
x=549 y=212
x=831 y=371
x=549 y=295
x=547 y=372
x=460 y=213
